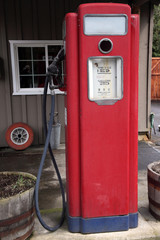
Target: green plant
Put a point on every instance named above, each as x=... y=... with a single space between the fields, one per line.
x=20 y=182
x=156 y=32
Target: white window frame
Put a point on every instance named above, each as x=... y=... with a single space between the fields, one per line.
x=14 y=44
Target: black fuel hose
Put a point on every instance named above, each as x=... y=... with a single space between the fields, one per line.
x=48 y=147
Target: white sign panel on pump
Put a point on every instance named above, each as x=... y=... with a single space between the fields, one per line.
x=105 y=80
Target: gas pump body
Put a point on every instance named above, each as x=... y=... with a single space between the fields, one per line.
x=101 y=117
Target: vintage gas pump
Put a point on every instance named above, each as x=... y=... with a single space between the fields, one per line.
x=102 y=48
x=101 y=118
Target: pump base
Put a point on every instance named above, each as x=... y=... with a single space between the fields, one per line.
x=102 y=224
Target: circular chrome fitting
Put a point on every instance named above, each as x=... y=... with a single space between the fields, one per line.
x=105 y=45
x=19 y=136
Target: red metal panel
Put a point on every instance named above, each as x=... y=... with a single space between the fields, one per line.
x=72 y=116
x=101 y=140
x=134 y=114
x=104 y=130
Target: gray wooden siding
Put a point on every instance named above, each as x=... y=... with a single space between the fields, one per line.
x=42 y=20
x=26 y=20
x=145 y=56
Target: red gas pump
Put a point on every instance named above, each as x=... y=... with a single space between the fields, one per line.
x=101 y=115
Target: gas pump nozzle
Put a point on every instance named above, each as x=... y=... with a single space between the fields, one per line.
x=53 y=71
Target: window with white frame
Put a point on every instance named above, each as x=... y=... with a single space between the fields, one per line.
x=30 y=60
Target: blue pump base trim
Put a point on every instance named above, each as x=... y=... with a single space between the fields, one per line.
x=102 y=224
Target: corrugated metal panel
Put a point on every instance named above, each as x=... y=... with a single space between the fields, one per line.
x=5 y=97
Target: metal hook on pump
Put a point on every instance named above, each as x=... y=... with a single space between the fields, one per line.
x=52 y=86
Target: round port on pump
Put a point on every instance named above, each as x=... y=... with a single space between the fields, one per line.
x=105 y=45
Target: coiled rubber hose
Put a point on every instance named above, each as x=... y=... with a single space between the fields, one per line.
x=48 y=147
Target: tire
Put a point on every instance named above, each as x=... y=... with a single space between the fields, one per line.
x=19 y=136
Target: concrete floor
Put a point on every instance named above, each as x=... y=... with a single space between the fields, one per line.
x=50 y=200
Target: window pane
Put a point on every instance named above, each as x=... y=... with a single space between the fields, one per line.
x=38 y=53
x=39 y=67
x=26 y=82
x=24 y=53
x=39 y=81
x=25 y=67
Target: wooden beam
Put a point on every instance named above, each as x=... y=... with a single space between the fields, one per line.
x=138 y=3
x=156 y=2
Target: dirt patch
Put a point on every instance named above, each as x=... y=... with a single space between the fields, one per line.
x=11 y=184
x=156 y=168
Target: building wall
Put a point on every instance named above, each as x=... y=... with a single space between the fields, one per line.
x=42 y=20
x=27 y=20
x=145 y=56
